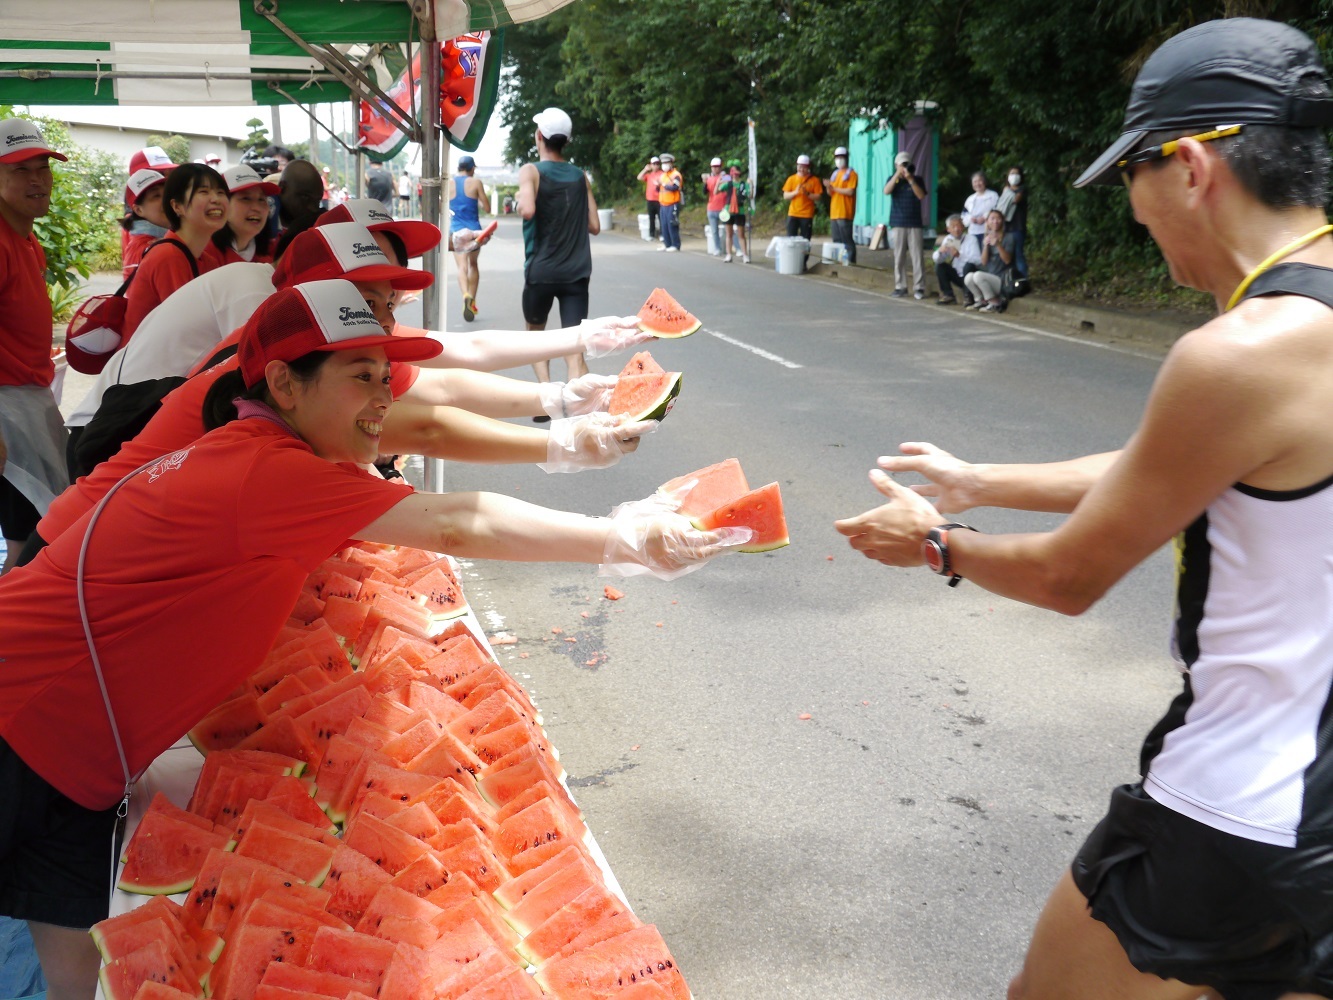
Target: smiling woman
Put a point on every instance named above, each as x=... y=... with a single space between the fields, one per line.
x=246 y=236
x=195 y=202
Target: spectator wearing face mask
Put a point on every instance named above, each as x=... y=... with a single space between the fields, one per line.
x=842 y=202
x=1013 y=204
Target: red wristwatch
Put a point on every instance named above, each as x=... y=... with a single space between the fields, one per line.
x=935 y=550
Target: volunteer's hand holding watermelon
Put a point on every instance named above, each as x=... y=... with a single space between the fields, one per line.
x=610 y=335
x=592 y=441
x=588 y=393
x=650 y=538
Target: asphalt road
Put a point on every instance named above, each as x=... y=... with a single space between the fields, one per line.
x=900 y=842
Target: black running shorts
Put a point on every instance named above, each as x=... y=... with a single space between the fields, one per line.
x=1252 y=921
x=55 y=855
x=573 y=296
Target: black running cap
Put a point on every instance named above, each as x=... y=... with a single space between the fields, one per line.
x=1236 y=71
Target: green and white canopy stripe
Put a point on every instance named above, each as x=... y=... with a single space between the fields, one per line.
x=212 y=52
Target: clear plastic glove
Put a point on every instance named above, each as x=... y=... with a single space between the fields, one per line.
x=593 y=441
x=464 y=241
x=609 y=334
x=648 y=538
x=586 y=394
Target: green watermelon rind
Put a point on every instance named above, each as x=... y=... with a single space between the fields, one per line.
x=747 y=548
x=664 y=335
x=663 y=404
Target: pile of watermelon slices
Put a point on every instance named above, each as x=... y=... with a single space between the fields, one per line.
x=379 y=816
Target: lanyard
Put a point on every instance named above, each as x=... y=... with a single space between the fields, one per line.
x=1272 y=259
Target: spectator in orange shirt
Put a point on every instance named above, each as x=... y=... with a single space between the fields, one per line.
x=842 y=202
x=802 y=192
x=650 y=176
x=671 y=185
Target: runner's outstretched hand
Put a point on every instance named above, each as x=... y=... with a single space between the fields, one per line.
x=891 y=534
x=952 y=482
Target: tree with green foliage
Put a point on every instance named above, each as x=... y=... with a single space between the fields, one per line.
x=254 y=143
x=1041 y=84
x=177 y=147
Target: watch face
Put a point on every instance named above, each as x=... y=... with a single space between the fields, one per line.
x=934 y=556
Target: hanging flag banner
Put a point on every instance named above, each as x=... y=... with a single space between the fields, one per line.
x=470 y=81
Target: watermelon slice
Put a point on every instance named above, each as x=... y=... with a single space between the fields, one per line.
x=621 y=960
x=664 y=317
x=645 y=397
x=759 y=510
x=153 y=962
x=711 y=487
x=228 y=724
x=512 y=984
x=642 y=364
x=165 y=855
x=596 y=905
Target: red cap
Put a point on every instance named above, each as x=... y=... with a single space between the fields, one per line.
x=343 y=250
x=241 y=177
x=319 y=316
x=21 y=140
x=151 y=158
x=417 y=236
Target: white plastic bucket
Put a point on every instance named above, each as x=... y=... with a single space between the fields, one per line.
x=604 y=217
x=645 y=227
x=836 y=252
x=791 y=254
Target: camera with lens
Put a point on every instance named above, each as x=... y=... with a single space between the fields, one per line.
x=262 y=165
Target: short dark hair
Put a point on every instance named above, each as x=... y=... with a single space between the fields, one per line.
x=555 y=143
x=219 y=405
x=183 y=182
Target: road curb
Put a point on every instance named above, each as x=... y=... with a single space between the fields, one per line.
x=1147 y=330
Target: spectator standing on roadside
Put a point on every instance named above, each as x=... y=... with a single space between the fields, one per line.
x=977 y=206
x=380 y=186
x=559 y=214
x=1013 y=205
x=907 y=191
x=671 y=186
x=802 y=192
x=32 y=433
x=736 y=201
x=469 y=194
x=956 y=256
x=716 y=200
x=650 y=176
x=842 y=202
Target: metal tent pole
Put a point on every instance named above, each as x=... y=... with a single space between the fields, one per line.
x=434 y=298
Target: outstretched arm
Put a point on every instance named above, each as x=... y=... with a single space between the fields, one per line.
x=459 y=435
x=493 y=350
x=956 y=485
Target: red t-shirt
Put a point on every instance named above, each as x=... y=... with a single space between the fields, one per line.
x=131 y=252
x=25 y=311
x=178 y=424
x=716 y=200
x=652 y=185
x=193 y=567
x=161 y=273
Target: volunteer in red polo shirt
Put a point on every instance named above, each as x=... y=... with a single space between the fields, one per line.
x=33 y=453
x=195 y=201
x=253 y=507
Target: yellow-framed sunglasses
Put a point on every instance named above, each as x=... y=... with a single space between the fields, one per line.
x=1167 y=148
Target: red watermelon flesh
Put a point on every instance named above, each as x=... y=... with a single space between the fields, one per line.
x=708 y=488
x=199 y=903
x=615 y=923
x=387 y=846
x=494 y=744
x=487 y=913
x=618 y=962
x=308 y=607
x=285 y=690
x=422 y=877
x=165 y=855
x=444 y=597
x=664 y=317
x=307 y=859
x=759 y=510
x=202 y=944
x=392 y=901
x=297 y=803
x=282 y=735
x=545 y=899
x=422 y=697
x=588 y=908
x=252 y=760
x=117 y=942
x=252 y=950
x=259 y=811
x=447 y=757
x=644 y=989
x=162 y=805
x=331 y=718
x=512 y=984
x=160 y=991
x=449 y=666
x=348 y=953
x=535 y=792
x=121 y=978
x=642 y=364
x=346 y=616
x=297 y=979
x=228 y=724
x=461 y=943
x=419 y=821
x=451 y=804
x=460 y=980
x=505 y=781
x=475 y=859
x=512 y=892
x=645 y=397
x=236 y=886
x=411 y=973
x=354 y=880
x=540 y=824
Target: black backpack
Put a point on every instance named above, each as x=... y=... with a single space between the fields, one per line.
x=123 y=412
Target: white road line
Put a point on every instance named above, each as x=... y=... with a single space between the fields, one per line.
x=769 y=355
